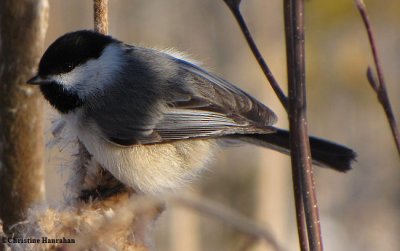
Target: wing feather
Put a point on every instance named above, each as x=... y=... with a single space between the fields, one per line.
x=188 y=102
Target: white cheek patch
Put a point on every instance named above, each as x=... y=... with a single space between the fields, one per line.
x=94 y=75
x=70 y=79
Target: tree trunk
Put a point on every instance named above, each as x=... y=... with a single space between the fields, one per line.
x=23 y=26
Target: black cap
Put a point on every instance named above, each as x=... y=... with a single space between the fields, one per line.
x=71 y=50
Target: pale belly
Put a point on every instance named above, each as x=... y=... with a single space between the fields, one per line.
x=151 y=169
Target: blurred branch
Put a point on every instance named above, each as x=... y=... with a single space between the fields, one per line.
x=302 y=170
x=248 y=244
x=23 y=26
x=379 y=86
x=228 y=216
x=234 y=6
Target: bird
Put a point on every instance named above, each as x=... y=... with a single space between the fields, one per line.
x=152 y=118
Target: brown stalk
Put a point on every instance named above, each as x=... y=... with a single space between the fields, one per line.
x=23 y=26
x=100 y=8
x=303 y=180
x=296 y=175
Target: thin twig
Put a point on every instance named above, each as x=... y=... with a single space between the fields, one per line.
x=229 y=217
x=380 y=86
x=302 y=169
x=234 y=6
x=100 y=8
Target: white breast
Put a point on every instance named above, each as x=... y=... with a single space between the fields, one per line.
x=152 y=169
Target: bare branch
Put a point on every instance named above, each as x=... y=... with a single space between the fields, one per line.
x=380 y=87
x=305 y=198
x=234 y=7
x=228 y=216
x=303 y=180
x=296 y=175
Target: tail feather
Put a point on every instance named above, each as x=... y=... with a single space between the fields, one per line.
x=323 y=152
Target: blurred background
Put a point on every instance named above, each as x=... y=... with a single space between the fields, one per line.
x=360 y=210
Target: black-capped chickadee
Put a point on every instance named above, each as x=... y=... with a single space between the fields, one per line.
x=153 y=119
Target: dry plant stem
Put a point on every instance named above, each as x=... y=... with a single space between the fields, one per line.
x=300 y=149
x=296 y=175
x=380 y=86
x=23 y=26
x=229 y=217
x=100 y=8
x=234 y=7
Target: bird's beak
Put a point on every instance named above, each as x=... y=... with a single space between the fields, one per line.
x=37 y=80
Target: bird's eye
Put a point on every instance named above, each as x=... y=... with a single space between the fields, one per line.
x=68 y=66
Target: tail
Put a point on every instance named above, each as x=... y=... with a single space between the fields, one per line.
x=323 y=152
